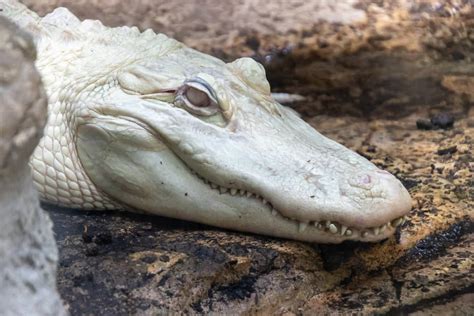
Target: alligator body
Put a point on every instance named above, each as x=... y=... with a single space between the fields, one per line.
x=139 y=121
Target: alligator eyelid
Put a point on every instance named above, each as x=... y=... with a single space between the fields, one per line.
x=203 y=83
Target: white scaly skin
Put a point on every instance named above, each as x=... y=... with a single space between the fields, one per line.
x=127 y=130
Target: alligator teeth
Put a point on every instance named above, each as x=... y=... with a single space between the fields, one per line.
x=325 y=226
x=343 y=230
x=302 y=227
x=396 y=222
x=223 y=190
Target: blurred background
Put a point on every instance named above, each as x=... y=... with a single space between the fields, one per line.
x=351 y=57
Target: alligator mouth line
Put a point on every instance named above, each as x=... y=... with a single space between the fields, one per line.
x=330 y=227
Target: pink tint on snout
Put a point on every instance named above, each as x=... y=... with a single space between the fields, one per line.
x=365 y=179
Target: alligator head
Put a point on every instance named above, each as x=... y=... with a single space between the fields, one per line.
x=188 y=136
x=163 y=129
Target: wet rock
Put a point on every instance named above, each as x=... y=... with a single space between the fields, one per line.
x=443 y=120
x=435 y=245
x=447 y=151
x=424 y=124
x=28 y=253
x=440 y=120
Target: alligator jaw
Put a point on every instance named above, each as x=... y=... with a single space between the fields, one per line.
x=330 y=231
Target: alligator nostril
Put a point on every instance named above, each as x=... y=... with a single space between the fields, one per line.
x=365 y=179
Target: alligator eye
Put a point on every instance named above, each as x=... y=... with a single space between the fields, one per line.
x=197 y=97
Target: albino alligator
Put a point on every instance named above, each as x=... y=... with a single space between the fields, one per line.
x=139 y=121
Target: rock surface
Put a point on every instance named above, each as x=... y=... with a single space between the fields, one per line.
x=28 y=253
x=370 y=70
